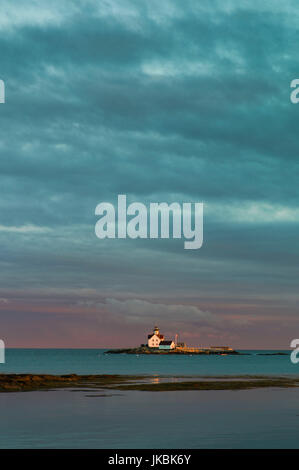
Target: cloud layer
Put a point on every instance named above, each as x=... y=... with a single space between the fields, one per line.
x=160 y=101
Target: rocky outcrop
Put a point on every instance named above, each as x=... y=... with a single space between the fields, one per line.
x=30 y=382
x=92 y=383
x=146 y=350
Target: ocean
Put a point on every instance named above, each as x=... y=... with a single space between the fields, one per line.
x=95 y=361
x=251 y=419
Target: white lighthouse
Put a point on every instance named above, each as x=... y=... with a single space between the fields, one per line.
x=154 y=339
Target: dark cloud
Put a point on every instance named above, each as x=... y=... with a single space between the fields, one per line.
x=173 y=102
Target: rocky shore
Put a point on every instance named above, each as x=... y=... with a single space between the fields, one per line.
x=146 y=350
x=30 y=382
x=43 y=382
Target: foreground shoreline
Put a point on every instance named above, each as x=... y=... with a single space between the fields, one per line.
x=44 y=382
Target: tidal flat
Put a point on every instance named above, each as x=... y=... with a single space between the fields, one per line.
x=154 y=383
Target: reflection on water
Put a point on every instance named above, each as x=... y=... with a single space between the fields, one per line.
x=154 y=380
x=194 y=419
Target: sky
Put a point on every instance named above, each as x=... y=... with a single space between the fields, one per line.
x=161 y=101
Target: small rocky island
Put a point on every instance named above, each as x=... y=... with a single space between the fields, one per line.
x=186 y=351
x=156 y=344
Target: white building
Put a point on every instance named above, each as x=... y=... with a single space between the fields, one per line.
x=154 y=339
x=167 y=345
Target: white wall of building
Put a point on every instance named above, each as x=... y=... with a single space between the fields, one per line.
x=153 y=342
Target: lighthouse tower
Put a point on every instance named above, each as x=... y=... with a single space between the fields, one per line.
x=155 y=338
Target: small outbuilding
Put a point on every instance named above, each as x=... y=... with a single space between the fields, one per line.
x=166 y=345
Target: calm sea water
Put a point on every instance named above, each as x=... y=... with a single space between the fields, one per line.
x=260 y=418
x=266 y=418
x=93 y=361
